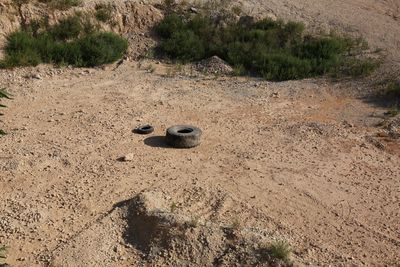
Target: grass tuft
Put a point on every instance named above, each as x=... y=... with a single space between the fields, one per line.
x=193 y=223
x=280 y=249
x=235 y=224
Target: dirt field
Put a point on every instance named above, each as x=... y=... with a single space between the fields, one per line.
x=303 y=160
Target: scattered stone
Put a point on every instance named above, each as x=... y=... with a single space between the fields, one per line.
x=214 y=65
x=194 y=10
x=275 y=95
x=347 y=124
x=37 y=76
x=372 y=140
x=393 y=127
x=128 y=157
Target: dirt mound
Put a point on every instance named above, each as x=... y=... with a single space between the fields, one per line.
x=171 y=239
x=147 y=230
x=214 y=65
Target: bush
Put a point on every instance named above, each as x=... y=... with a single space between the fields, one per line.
x=20 y=50
x=274 y=50
x=69 y=42
x=101 y=48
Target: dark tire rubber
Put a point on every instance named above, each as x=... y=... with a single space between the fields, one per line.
x=183 y=136
x=145 y=129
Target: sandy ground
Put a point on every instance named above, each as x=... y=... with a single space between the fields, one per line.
x=293 y=158
x=303 y=160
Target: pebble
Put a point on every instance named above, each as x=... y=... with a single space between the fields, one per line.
x=37 y=76
x=128 y=157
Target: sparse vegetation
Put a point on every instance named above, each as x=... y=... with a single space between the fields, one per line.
x=2 y=252
x=280 y=249
x=173 y=207
x=235 y=224
x=72 y=41
x=169 y=3
x=274 y=50
x=5 y=95
x=61 y=4
x=237 y=10
x=150 y=68
x=19 y=4
x=393 y=111
x=193 y=223
x=103 y=12
x=393 y=89
x=390 y=94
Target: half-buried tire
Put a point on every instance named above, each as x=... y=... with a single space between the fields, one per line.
x=145 y=129
x=183 y=136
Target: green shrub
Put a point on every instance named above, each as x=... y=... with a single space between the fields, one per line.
x=71 y=41
x=185 y=46
x=171 y=24
x=355 y=67
x=101 y=48
x=21 y=50
x=274 y=50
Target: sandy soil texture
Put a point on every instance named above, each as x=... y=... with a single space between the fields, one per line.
x=308 y=161
x=299 y=159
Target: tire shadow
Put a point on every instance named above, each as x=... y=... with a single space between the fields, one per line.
x=156 y=141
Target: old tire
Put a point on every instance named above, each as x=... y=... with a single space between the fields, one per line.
x=145 y=129
x=183 y=136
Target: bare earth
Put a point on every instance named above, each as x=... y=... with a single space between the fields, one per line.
x=303 y=160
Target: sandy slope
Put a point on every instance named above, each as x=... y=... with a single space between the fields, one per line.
x=377 y=21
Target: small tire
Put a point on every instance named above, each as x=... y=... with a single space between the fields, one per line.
x=183 y=136
x=145 y=129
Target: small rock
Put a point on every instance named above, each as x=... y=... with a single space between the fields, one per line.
x=347 y=124
x=128 y=157
x=37 y=76
x=194 y=10
x=275 y=94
